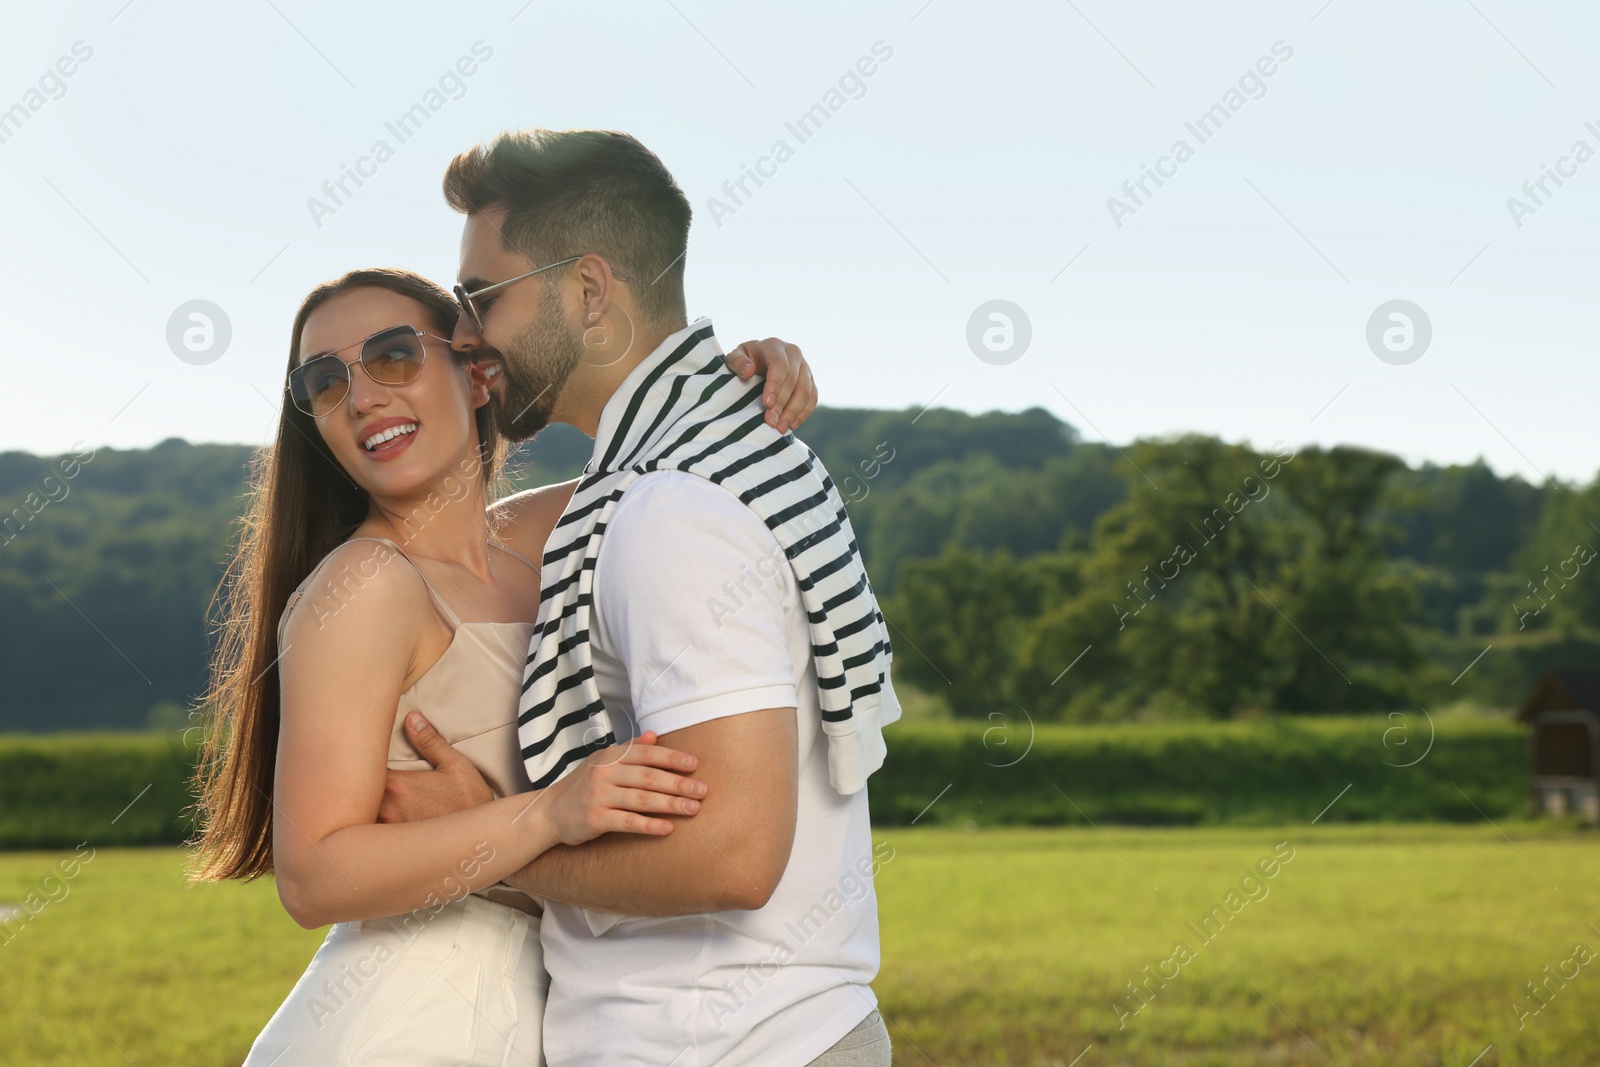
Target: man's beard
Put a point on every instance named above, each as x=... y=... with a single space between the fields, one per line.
x=537 y=366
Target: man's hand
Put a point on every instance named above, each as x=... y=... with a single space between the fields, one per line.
x=791 y=393
x=453 y=785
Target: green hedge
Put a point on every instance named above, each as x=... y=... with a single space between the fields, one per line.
x=1264 y=772
x=58 y=790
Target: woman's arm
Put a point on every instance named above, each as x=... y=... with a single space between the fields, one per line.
x=349 y=649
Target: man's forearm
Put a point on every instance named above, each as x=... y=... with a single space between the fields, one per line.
x=683 y=873
x=730 y=855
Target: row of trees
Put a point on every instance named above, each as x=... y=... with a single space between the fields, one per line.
x=1183 y=577
x=1231 y=582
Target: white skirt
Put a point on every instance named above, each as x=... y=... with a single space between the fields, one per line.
x=464 y=986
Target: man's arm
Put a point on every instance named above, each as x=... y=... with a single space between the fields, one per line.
x=731 y=855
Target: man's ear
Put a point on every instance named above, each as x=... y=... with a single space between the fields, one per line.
x=597 y=286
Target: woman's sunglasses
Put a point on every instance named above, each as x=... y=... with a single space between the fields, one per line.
x=389 y=357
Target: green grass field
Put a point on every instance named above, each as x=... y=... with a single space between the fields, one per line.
x=1372 y=945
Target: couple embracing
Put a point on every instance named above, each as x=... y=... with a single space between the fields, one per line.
x=577 y=775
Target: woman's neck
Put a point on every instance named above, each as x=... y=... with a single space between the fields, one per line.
x=448 y=522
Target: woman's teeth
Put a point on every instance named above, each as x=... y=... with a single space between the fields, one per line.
x=388 y=435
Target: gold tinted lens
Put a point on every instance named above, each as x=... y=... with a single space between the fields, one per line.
x=394 y=357
x=320 y=385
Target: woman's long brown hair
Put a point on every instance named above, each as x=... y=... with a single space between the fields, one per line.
x=302 y=506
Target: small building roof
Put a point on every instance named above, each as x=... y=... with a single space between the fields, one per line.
x=1562 y=691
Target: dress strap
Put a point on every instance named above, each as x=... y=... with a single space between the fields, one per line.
x=513 y=552
x=438 y=601
x=309 y=580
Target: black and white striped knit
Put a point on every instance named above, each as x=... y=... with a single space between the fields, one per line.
x=685 y=411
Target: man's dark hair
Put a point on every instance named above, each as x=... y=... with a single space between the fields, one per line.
x=571 y=192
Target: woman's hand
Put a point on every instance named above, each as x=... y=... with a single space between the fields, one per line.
x=791 y=393
x=612 y=789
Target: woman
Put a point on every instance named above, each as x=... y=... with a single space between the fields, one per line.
x=371 y=581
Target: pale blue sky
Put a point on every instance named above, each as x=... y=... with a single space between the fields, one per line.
x=974 y=164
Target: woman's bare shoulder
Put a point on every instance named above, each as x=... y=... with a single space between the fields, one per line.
x=363 y=580
x=524 y=520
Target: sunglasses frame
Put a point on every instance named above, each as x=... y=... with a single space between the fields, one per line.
x=470 y=309
x=349 y=376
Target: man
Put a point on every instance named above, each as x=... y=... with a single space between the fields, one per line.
x=703 y=584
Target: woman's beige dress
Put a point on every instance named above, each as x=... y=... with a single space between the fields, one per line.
x=461 y=983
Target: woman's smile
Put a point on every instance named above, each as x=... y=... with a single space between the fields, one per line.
x=385 y=439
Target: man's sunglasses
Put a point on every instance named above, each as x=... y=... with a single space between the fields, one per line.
x=389 y=357
x=470 y=306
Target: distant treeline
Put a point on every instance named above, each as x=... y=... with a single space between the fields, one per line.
x=1020 y=567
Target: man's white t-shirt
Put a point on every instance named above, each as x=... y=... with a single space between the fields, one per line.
x=697 y=616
